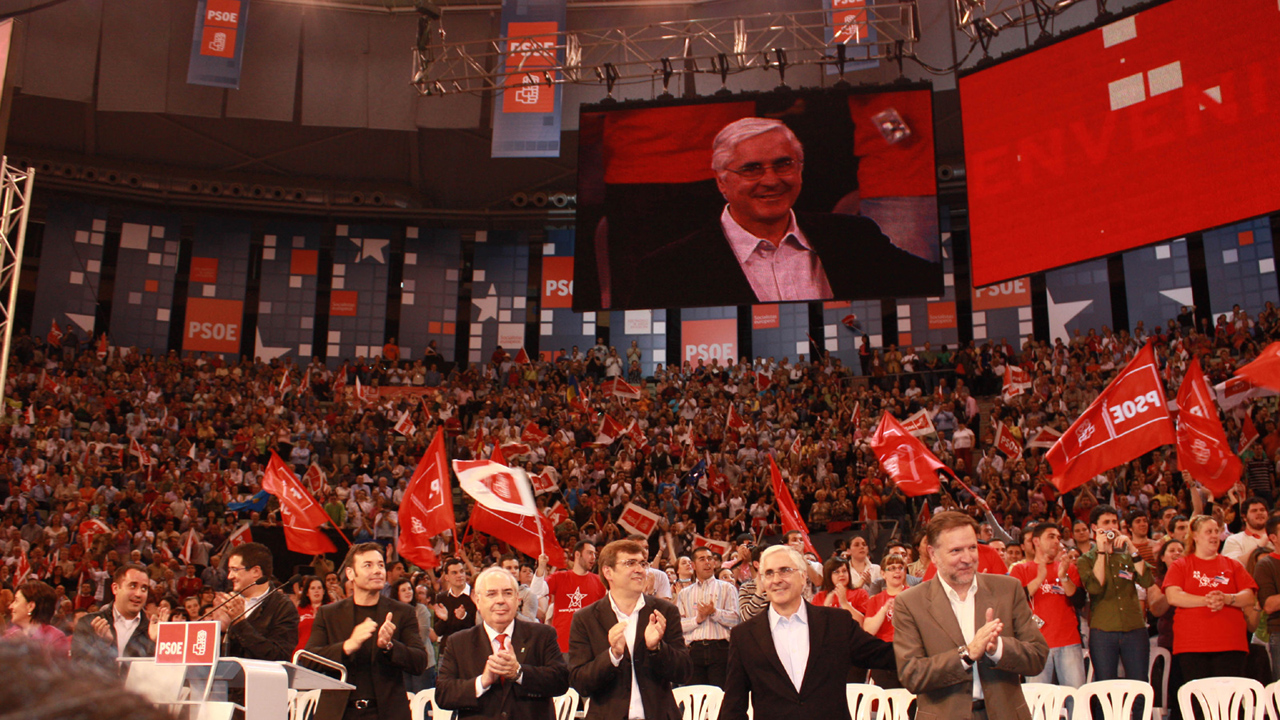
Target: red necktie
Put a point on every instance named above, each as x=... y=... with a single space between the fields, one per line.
x=502 y=645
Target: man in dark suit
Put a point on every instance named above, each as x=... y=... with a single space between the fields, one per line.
x=375 y=637
x=954 y=650
x=504 y=667
x=793 y=659
x=98 y=636
x=762 y=251
x=626 y=650
x=258 y=625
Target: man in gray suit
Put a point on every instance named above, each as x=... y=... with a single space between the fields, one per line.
x=954 y=648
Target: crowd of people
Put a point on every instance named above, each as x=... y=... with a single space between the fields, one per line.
x=129 y=473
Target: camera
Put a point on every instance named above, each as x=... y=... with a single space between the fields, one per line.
x=1109 y=534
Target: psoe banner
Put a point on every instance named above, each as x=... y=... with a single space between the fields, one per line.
x=526 y=116
x=1009 y=294
x=708 y=340
x=217 y=47
x=213 y=325
x=557 y=282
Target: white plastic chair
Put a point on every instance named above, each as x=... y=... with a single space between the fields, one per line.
x=567 y=705
x=1221 y=698
x=896 y=705
x=861 y=697
x=1271 y=701
x=1166 y=660
x=1116 y=697
x=303 y=705
x=699 y=702
x=1045 y=700
x=418 y=703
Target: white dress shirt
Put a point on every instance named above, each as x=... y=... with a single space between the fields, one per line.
x=636 y=709
x=493 y=643
x=718 y=624
x=124 y=629
x=791 y=640
x=964 y=611
x=790 y=270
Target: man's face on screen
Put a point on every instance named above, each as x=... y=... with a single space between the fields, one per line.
x=769 y=198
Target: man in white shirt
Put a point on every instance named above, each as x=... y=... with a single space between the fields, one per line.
x=1239 y=546
x=626 y=650
x=708 y=611
x=120 y=630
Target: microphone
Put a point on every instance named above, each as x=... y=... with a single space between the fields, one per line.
x=273 y=591
x=260 y=581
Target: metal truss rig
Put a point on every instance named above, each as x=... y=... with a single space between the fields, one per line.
x=982 y=20
x=715 y=46
x=15 y=201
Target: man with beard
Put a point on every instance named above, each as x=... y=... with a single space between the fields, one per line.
x=1239 y=546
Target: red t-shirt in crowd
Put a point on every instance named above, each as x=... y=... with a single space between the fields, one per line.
x=856 y=598
x=1050 y=603
x=873 y=606
x=1200 y=629
x=571 y=592
x=306 y=619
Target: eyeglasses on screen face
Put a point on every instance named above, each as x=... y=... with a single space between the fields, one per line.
x=784 y=167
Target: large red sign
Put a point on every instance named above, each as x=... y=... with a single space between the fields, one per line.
x=531 y=51
x=764 y=317
x=344 y=302
x=942 y=315
x=1142 y=130
x=187 y=643
x=213 y=325
x=708 y=340
x=557 y=282
x=1008 y=294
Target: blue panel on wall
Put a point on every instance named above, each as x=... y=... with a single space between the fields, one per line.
x=647 y=329
x=560 y=329
x=788 y=336
x=429 y=291
x=843 y=325
x=499 y=293
x=1079 y=298
x=358 y=295
x=70 y=267
x=1158 y=283
x=145 y=269
x=287 y=298
x=1240 y=262
x=219 y=271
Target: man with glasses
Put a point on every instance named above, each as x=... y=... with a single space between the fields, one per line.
x=761 y=251
x=793 y=660
x=258 y=625
x=626 y=650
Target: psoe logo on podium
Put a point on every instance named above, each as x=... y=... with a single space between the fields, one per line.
x=188 y=643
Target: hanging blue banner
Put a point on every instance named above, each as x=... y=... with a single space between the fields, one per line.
x=849 y=25
x=526 y=114
x=217 y=47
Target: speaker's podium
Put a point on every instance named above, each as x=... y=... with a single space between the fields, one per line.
x=188 y=677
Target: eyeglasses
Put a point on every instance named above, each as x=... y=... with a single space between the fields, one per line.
x=785 y=167
x=782 y=572
x=634 y=564
x=231 y=569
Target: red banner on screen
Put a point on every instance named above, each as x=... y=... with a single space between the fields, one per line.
x=557 y=282
x=708 y=340
x=1139 y=131
x=213 y=325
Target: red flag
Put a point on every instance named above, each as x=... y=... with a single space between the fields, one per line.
x=620 y=388
x=857 y=415
x=558 y=513
x=787 y=506
x=1264 y=371
x=795 y=445
x=90 y=529
x=315 y=479
x=1129 y=418
x=1237 y=390
x=515 y=449
x=637 y=520
x=1044 y=438
x=715 y=481
x=186 y=547
x=340 y=381
x=637 y=436
x=1006 y=442
x=905 y=458
x=609 y=431
x=497 y=455
x=427 y=508
x=734 y=420
x=919 y=424
x=534 y=435
x=306 y=381
x=23 y=569
x=240 y=537
x=54 y=337
x=405 y=425
x=926 y=514
x=522 y=357
x=29 y=415
x=719 y=547
x=763 y=381
x=497 y=486
x=1203 y=450
x=1016 y=382
x=303 y=516
x=528 y=534
x=1066 y=522
x=102 y=346
x=1248 y=432
x=286 y=384
x=543 y=482
x=136 y=449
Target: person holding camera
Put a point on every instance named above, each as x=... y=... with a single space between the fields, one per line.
x=1112 y=571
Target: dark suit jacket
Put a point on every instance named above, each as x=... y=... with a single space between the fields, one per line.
x=333 y=625
x=927 y=638
x=592 y=674
x=269 y=633
x=860 y=262
x=545 y=676
x=756 y=674
x=85 y=643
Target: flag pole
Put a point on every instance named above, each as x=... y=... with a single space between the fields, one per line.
x=999 y=532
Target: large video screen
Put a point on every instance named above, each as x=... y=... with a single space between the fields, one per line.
x=744 y=199
x=1163 y=123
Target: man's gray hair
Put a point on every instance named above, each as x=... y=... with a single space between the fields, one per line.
x=498 y=571
x=731 y=135
x=797 y=560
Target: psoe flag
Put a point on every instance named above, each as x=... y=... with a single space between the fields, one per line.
x=496 y=486
x=638 y=520
x=1203 y=449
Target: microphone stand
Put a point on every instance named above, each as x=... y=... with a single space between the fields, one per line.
x=233 y=596
x=226 y=636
